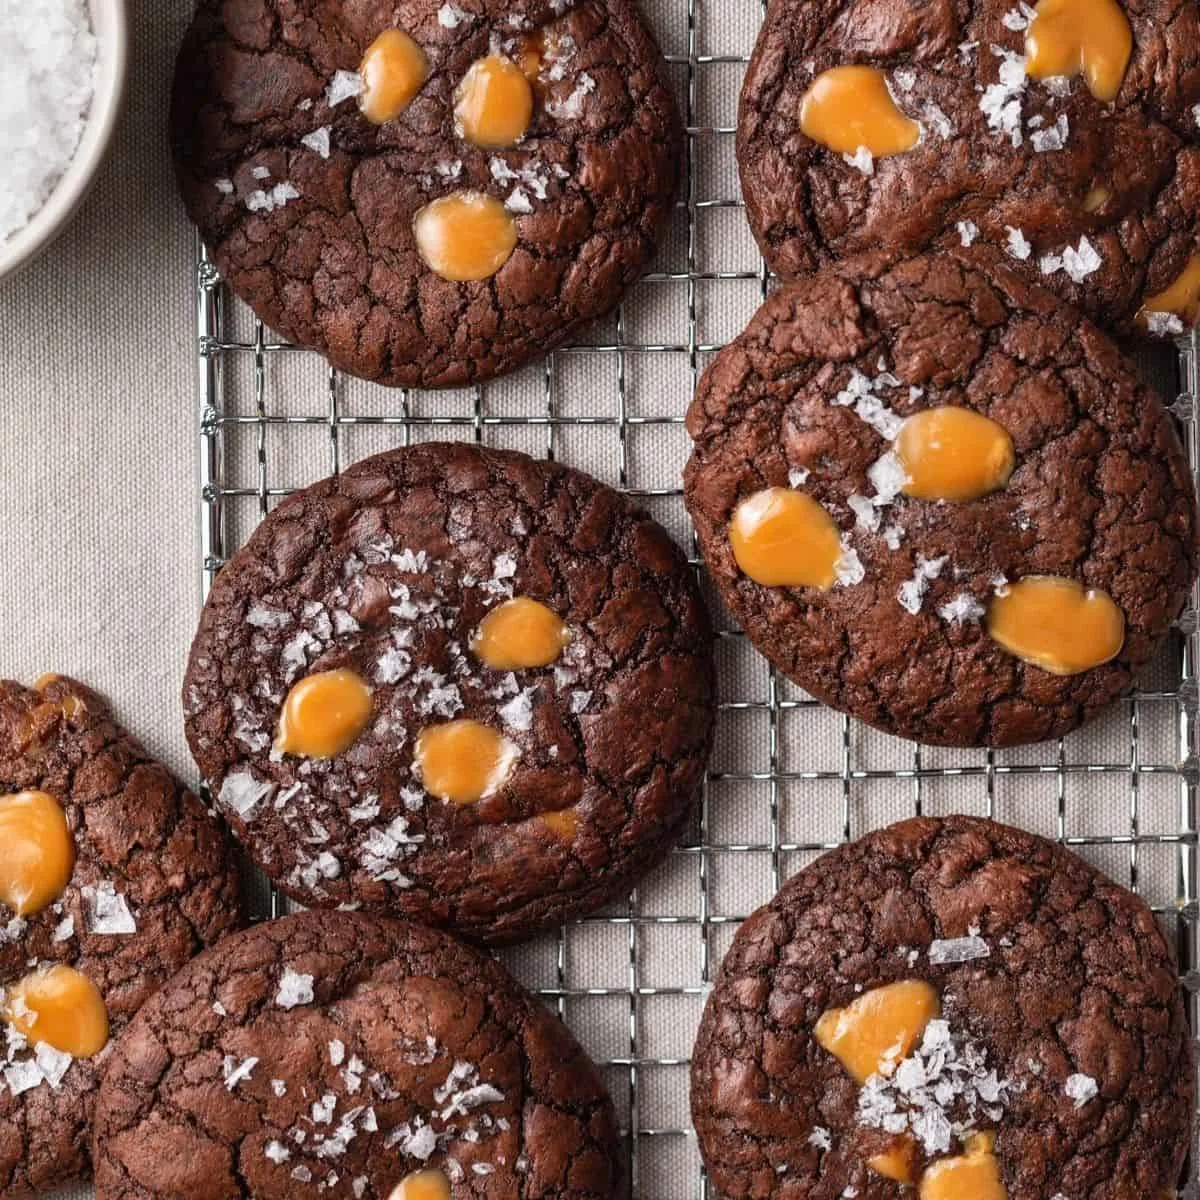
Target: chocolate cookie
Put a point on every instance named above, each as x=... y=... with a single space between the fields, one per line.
x=335 y=1054
x=940 y=501
x=428 y=193
x=112 y=875
x=520 y=664
x=949 y=1002
x=1068 y=134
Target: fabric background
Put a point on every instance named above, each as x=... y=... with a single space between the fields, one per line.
x=100 y=511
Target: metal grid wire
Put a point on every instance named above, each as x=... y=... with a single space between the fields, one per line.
x=789 y=779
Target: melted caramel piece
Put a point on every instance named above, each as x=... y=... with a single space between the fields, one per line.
x=1181 y=299
x=37 y=852
x=61 y=1007
x=1096 y=199
x=974 y=1175
x=465 y=236
x=493 y=104
x=880 y=1028
x=849 y=107
x=954 y=454
x=1056 y=624
x=429 y=1184
x=1091 y=38
x=898 y=1161
x=784 y=538
x=519 y=635
x=393 y=70
x=463 y=761
x=324 y=714
x=564 y=824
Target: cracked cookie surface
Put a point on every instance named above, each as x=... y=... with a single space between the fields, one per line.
x=388 y=571
x=1014 y=161
x=810 y=395
x=153 y=883
x=332 y=1054
x=308 y=207
x=1061 y=982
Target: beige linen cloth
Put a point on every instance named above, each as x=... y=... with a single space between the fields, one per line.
x=99 y=514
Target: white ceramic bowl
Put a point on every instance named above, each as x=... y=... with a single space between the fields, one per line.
x=110 y=24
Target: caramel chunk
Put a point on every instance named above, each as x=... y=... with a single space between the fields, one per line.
x=37 y=852
x=1091 y=38
x=849 y=107
x=463 y=761
x=465 y=236
x=61 y=1007
x=951 y=453
x=1096 y=199
x=880 y=1028
x=393 y=70
x=1181 y=299
x=564 y=824
x=1056 y=624
x=493 y=104
x=520 y=634
x=429 y=1184
x=898 y=1161
x=324 y=714
x=974 y=1175
x=784 y=538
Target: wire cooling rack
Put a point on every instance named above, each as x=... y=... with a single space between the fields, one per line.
x=789 y=778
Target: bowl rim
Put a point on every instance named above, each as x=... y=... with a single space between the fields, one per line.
x=76 y=181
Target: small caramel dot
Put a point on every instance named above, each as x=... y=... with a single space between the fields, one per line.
x=61 y=1007
x=1096 y=199
x=898 y=1161
x=564 y=824
x=1091 y=38
x=324 y=714
x=954 y=454
x=784 y=538
x=493 y=104
x=1056 y=624
x=463 y=761
x=1181 y=299
x=37 y=852
x=849 y=107
x=430 y=1184
x=465 y=236
x=974 y=1175
x=519 y=635
x=393 y=70
x=881 y=1026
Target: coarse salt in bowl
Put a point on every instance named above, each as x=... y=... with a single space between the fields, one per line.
x=62 y=79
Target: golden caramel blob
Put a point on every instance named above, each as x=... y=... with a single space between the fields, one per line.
x=880 y=1028
x=324 y=714
x=1181 y=299
x=849 y=107
x=429 y=1184
x=974 y=1175
x=520 y=634
x=61 y=1007
x=463 y=761
x=564 y=824
x=465 y=236
x=898 y=1161
x=1091 y=38
x=1096 y=199
x=37 y=852
x=1056 y=624
x=493 y=104
x=953 y=454
x=393 y=70
x=784 y=538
